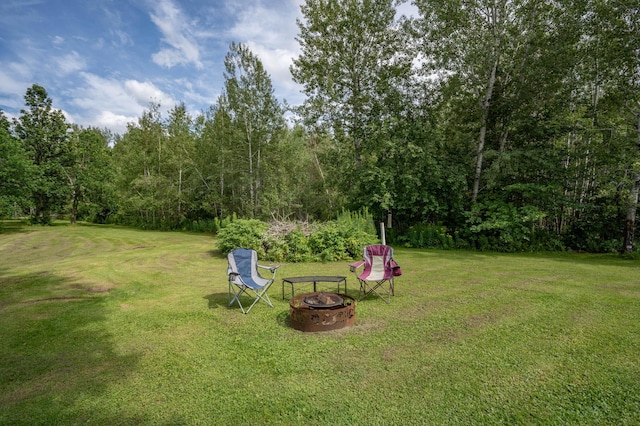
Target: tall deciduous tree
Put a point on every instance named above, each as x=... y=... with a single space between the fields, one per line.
x=355 y=69
x=15 y=172
x=180 y=147
x=214 y=162
x=487 y=50
x=89 y=172
x=615 y=36
x=139 y=160
x=43 y=133
x=258 y=117
x=352 y=56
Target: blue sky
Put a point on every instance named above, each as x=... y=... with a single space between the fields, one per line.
x=103 y=61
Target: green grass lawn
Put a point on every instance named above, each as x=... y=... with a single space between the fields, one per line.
x=108 y=325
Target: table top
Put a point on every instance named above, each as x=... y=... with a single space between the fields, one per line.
x=315 y=278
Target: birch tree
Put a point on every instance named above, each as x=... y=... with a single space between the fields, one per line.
x=352 y=55
x=485 y=46
x=257 y=116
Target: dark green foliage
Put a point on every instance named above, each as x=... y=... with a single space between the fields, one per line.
x=15 y=172
x=503 y=226
x=243 y=233
x=211 y=226
x=328 y=243
x=90 y=175
x=297 y=247
x=506 y=126
x=427 y=236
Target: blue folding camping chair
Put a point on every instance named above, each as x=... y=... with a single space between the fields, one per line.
x=244 y=278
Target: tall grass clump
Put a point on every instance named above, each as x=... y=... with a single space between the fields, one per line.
x=425 y=235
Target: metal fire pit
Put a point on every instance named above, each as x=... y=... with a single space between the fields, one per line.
x=322 y=311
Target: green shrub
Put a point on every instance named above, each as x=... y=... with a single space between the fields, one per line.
x=339 y=241
x=243 y=233
x=336 y=240
x=327 y=244
x=205 y=225
x=297 y=247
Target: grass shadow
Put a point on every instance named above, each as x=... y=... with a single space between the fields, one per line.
x=49 y=329
x=14 y=227
x=284 y=319
x=217 y=300
x=216 y=253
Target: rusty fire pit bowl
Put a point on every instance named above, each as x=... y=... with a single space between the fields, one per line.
x=322 y=311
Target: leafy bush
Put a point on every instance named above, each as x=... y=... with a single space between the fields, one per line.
x=361 y=220
x=203 y=225
x=300 y=242
x=327 y=244
x=245 y=233
x=297 y=247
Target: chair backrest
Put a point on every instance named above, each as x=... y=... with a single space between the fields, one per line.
x=243 y=268
x=377 y=262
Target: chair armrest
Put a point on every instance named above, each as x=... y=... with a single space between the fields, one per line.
x=270 y=268
x=354 y=266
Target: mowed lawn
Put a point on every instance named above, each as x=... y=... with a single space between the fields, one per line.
x=107 y=325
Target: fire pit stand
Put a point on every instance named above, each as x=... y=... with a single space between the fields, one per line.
x=320 y=311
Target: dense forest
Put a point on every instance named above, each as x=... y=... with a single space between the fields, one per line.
x=503 y=125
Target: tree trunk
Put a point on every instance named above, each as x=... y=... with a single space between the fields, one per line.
x=252 y=189
x=630 y=223
x=180 y=191
x=74 y=206
x=484 y=104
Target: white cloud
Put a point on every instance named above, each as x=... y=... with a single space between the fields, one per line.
x=277 y=62
x=177 y=34
x=270 y=26
x=145 y=92
x=408 y=9
x=112 y=103
x=70 y=63
x=114 y=122
x=269 y=32
x=14 y=81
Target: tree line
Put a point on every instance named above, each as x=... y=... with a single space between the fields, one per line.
x=490 y=124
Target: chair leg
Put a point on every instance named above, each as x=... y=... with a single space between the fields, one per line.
x=262 y=295
x=236 y=297
x=257 y=295
x=235 y=294
x=367 y=289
